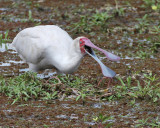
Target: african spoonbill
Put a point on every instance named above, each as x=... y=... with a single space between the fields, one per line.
x=48 y=46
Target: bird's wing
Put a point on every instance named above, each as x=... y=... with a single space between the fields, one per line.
x=33 y=44
x=28 y=43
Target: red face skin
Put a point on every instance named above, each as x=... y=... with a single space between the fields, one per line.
x=82 y=44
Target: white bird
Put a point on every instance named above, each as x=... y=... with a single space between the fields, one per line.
x=48 y=46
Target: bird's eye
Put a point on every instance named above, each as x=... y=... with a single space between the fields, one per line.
x=80 y=42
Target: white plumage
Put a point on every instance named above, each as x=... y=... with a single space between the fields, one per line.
x=48 y=46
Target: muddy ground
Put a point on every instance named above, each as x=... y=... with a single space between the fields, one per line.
x=127 y=33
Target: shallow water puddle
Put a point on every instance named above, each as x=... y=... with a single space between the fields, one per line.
x=4 y=47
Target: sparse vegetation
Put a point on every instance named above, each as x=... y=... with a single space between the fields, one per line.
x=155 y=123
x=4 y=38
x=153 y=4
x=149 y=90
x=28 y=86
x=25 y=87
x=129 y=29
x=143 y=23
x=88 y=23
x=103 y=120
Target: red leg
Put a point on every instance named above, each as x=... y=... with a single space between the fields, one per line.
x=101 y=81
x=110 y=80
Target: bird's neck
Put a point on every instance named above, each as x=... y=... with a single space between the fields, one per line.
x=72 y=63
x=72 y=60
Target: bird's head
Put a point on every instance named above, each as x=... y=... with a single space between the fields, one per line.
x=82 y=45
x=85 y=46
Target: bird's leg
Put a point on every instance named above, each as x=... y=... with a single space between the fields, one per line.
x=59 y=81
x=100 y=81
x=110 y=80
x=46 y=72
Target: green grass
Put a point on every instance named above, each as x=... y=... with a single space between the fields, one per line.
x=28 y=87
x=148 y=48
x=155 y=123
x=143 y=54
x=155 y=43
x=151 y=3
x=148 y=89
x=25 y=87
x=88 y=23
x=83 y=26
x=143 y=24
x=30 y=19
x=102 y=120
x=4 y=38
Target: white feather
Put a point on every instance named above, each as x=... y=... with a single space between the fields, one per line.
x=48 y=46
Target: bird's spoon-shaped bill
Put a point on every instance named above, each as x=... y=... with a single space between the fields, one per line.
x=105 y=70
x=109 y=55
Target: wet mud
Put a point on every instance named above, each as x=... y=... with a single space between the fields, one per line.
x=121 y=37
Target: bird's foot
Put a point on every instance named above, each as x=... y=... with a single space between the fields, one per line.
x=54 y=77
